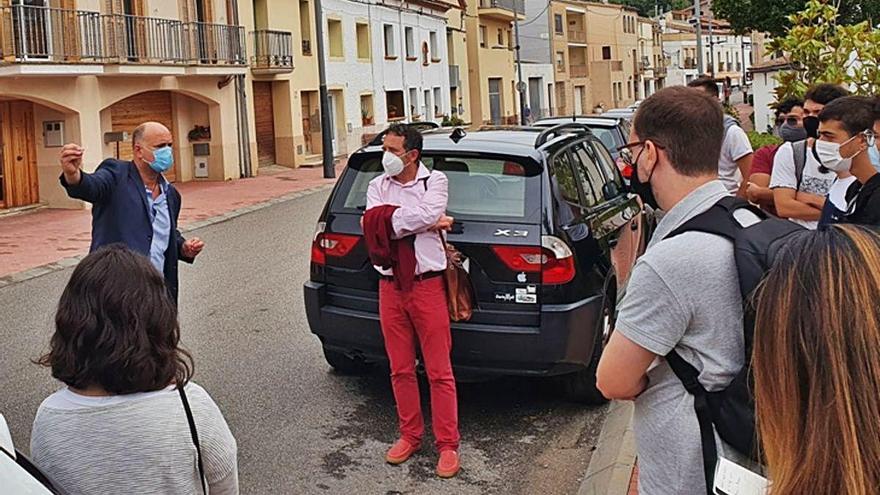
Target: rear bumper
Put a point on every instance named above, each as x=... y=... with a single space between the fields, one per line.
x=563 y=343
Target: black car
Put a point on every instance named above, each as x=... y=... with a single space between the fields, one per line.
x=612 y=131
x=550 y=236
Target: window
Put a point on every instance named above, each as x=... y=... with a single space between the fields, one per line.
x=435 y=48
x=591 y=179
x=410 y=43
x=363 y=40
x=629 y=90
x=388 y=34
x=607 y=164
x=560 y=61
x=566 y=184
x=438 y=110
x=367 y=110
x=394 y=104
x=557 y=21
x=428 y=107
x=500 y=37
x=414 y=102
x=305 y=28
x=450 y=52
x=334 y=33
x=483 y=35
x=606 y=53
x=510 y=39
x=425 y=58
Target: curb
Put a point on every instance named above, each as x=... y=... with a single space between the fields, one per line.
x=611 y=464
x=68 y=262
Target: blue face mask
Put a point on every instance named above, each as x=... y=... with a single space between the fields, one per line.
x=163 y=160
x=874 y=154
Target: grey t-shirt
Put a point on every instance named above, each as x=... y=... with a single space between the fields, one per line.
x=683 y=295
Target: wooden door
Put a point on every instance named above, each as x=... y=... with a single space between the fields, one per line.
x=19 y=183
x=306 y=123
x=265 y=122
x=133 y=111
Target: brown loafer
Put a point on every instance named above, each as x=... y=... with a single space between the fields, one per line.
x=400 y=452
x=449 y=464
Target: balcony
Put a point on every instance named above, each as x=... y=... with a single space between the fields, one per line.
x=42 y=35
x=502 y=10
x=577 y=36
x=454 y=76
x=579 y=70
x=644 y=65
x=690 y=64
x=272 y=52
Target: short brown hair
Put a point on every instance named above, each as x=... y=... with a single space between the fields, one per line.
x=688 y=124
x=116 y=327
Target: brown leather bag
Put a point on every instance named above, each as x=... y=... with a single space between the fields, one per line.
x=459 y=292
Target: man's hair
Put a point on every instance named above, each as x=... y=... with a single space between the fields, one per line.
x=707 y=83
x=138 y=135
x=688 y=124
x=855 y=113
x=412 y=138
x=787 y=105
x=116 y=327
x=825 y=93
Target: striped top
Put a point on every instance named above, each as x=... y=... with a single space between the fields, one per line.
x=135 y=443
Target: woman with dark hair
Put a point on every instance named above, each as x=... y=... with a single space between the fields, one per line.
x=817 y=364
x=129 y=419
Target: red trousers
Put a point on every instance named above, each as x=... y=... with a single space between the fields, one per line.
x=420 y=315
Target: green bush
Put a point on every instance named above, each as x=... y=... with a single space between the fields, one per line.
x=452 y=121
x=761 y=139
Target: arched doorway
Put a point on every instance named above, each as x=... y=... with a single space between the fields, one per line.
x=129 y=113
x=19 y=183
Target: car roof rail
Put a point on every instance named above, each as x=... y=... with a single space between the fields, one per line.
x=556 y=131
x=419 y=126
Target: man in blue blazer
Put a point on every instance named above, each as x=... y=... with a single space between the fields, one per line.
x=132 y=202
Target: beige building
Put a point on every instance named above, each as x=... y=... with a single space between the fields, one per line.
x=614 y=61
x=89 y=71
x=491 y=68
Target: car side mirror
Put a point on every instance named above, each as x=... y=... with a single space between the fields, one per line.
x=610 y=190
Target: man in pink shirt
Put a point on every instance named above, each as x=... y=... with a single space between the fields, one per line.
x=420 y=314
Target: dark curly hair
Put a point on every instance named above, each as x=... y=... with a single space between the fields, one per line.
x=116 y=327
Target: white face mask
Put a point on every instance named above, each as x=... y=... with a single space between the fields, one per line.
x=392 y=164
x=829 y=155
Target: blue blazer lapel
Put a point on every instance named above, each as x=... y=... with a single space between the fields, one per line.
x=138 y=184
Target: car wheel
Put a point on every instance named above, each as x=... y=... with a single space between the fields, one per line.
x=581 y=386
x=345 y=365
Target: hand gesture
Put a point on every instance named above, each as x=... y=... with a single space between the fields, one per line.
x=445 y=223
x=192 y=247
x=71 y=162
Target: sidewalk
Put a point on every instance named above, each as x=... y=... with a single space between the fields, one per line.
x=38 y=242
x=613 y=469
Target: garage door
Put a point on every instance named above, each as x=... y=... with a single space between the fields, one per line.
x=133 y=111
x=265 y=122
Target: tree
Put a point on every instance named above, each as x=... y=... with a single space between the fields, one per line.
x=773 y=16
x=647 y=8
x=820 y=48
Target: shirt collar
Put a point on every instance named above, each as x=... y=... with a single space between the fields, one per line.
x=698 y=201
x=422 y=173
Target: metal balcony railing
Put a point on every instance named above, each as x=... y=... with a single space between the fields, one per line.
x=273 y=50
x=31 y=34
x=517 y=6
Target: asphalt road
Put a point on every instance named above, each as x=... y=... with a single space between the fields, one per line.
x=300 y=427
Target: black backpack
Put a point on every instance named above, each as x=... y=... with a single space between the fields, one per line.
x=732 y=410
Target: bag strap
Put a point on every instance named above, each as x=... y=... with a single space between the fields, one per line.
x=195 y=437
x=718 y=219
x=689 y=377
x=799 y=152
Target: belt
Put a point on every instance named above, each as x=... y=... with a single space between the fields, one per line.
x=418 y=278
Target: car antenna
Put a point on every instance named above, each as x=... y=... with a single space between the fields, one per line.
x=457 y=135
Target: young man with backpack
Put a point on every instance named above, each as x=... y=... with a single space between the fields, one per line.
x=680 y=344
x=799 y=183
x=735 y=160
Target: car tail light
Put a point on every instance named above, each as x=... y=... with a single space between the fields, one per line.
x=331 y=244
x=511 y=168
x=554 y=260
x=626 y=169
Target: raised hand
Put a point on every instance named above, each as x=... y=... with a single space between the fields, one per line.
x=71 y=163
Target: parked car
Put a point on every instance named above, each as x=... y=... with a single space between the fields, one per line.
x=612 y=131
x=550 y=235
x=620 y=113
x=17 y=473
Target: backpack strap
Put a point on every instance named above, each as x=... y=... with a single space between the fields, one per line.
x=718 y=219
x=799 y=152
x=195 y=437
x=689 y=377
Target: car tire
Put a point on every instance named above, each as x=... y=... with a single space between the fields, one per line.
x=581 y=386
x=345 y=365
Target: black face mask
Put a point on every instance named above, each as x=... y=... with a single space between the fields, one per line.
x=811 y=125
x=642 y=189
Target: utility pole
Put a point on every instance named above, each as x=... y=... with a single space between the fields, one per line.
x=711 y=47
x=326 y=129
x=520 y=85
x=698 y=15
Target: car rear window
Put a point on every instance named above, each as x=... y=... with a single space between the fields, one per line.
x=479 y=188
x=608 y=136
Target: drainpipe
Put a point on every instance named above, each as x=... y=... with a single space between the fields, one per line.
x=244 y=150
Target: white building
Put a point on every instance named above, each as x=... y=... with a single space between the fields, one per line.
x=539 y=89
x=386 y=62
x=763 y=87
x=726 y=56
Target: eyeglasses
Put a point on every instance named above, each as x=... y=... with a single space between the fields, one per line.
x=793 y=121
x=626 y=151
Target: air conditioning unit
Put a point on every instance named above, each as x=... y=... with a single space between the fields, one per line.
x=201 y=163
